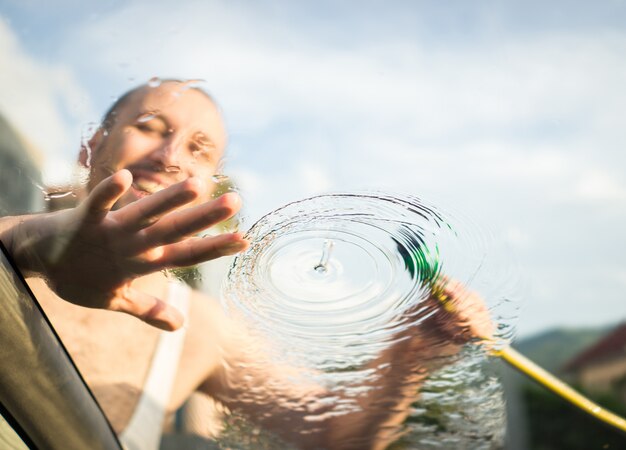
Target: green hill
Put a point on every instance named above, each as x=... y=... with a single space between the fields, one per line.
x=548 y=422
x=553 y=348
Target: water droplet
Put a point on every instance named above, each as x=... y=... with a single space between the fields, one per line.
x=86 y=134
x=147 y=117
x=322 y=265
x=192 y=84
x=81 y=176
x=50 y=195
x=154 y=82
x=220 y=178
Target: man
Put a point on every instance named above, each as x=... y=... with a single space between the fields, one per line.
x=149 y=196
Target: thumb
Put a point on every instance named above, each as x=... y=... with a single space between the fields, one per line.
x=148 y=308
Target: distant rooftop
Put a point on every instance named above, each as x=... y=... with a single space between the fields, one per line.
x=611 y=345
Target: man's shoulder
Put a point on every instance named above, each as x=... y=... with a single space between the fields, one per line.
x=206 y=317
x=208 y=325
x=208 y=340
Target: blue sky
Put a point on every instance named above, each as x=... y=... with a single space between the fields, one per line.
x=508 y=111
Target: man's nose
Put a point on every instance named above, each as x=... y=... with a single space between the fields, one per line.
x=170 y=154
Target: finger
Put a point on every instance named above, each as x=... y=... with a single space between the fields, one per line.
x=150 y=309
x=197 y=250
x=105 y=194
x=150 y=209
x=181 y=224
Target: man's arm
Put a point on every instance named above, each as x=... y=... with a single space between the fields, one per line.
x=304 y=414
x=90 y=255
x=450 y=317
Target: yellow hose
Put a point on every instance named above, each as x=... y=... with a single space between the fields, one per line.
x=535 y=372
x=546 y=379
x=532 y=370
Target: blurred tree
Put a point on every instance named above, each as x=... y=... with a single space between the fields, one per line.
x=20 y=176
x=556 y=425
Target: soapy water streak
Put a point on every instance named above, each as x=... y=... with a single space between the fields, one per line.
x=332 y=281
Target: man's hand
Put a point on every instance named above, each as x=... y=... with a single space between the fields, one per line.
x=90 y=255
x=466 y=313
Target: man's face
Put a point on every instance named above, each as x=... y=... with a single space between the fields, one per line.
x=162 y=135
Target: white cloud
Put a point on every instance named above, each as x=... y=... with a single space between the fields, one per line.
x=264 y=68
x=519 y=109
x=523 y=126
x=619 y=274
x=517 y=237
x=32 y=98
x=599 y=185
x=313 y=178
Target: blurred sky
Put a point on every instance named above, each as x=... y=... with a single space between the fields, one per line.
x=509 y=111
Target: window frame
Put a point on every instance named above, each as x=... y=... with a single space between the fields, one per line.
x=43 y=396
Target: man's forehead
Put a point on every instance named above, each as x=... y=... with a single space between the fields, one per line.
x=178 y=103
x=172 y=95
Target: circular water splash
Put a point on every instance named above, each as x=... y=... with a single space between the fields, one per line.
x=337 y=268
x=330 y=282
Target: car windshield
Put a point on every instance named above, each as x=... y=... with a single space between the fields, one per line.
x=410 y=151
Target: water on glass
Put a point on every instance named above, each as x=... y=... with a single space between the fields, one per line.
x=333 y=283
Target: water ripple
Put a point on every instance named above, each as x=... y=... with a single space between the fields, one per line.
x=332 y=281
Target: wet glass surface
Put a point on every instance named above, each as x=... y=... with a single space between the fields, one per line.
x=333 y=283
x=485 y=108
